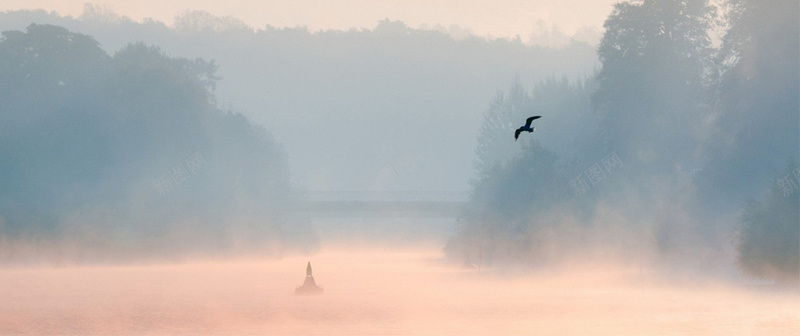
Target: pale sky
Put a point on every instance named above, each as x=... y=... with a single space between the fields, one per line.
x=497 y=18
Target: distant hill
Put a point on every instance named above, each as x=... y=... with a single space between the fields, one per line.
x=346 y=103
x=105 y=156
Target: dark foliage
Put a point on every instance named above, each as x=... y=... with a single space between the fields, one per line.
x=769 y=237
x=128 y=149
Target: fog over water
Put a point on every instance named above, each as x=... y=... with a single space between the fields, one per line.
x=381 y=291
x=175 y=178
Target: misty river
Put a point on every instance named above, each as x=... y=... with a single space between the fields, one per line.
x=402 y=290
x=182 y=177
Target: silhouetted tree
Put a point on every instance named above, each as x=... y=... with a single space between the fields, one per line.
x=130 y=148
x=757 y=124
x=506 y=112
x=565 y=105
x=502 y=221
x=769 y=236
x=344 y=83
x=203 y=22
x=654 y=56
x=47 y=76
x=520 y=181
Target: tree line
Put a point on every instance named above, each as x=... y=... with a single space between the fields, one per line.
x=128 y=154
x=674 y=134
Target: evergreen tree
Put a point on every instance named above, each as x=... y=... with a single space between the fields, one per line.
x=654 y=56
x=757 y=122
x=769 y=237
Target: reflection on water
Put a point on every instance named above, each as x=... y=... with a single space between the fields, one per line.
x=377 y=292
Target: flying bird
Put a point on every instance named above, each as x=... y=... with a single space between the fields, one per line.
x=527 y=127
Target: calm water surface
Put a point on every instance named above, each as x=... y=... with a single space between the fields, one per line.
x=399 y=291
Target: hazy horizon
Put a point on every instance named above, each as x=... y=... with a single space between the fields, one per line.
x=177 y=175
x=537 y=22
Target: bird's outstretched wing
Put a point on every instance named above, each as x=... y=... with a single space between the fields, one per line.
x=529 y=120
x=516 y=133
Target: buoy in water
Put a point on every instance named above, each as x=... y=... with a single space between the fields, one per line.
x=309 y=285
